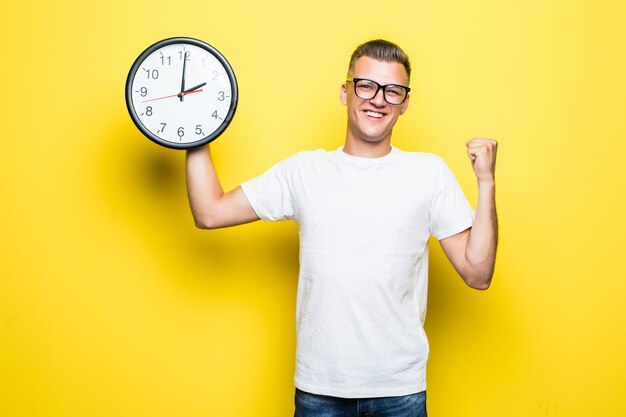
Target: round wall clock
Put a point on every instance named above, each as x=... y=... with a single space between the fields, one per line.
x=181 y=93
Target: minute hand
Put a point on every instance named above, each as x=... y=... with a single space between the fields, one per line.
x=182 y=85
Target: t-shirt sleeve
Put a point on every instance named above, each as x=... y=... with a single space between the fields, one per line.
x=270 y=195
x=450 y=212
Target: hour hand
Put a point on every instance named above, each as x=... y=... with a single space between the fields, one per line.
x=189 y=90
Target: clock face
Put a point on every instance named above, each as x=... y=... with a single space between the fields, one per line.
x=181 y=93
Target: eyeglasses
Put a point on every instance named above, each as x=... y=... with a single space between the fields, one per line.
x=367 y=89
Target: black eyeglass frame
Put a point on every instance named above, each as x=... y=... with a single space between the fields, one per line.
x=378 y=87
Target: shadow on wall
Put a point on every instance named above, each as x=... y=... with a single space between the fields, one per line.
x=143 y=187
x=449 y=299
x=454 y=307
x=466 y=323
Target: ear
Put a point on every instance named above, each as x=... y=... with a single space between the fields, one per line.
x=405 y=104
x=343 y=94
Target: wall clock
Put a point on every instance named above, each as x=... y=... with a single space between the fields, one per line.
x=181 y=93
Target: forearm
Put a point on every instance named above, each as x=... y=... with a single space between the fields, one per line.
x=480 y=252
x=473 y=251
x=203 y=186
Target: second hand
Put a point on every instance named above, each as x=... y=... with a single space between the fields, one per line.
x=194 y=89
x=173 y=95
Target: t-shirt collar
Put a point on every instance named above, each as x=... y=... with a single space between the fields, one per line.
x=363 y=160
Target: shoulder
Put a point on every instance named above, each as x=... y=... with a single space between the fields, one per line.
x=308 y=156
x=300 y=161
x=424 y=160
x=297 y=157
x=312 y=153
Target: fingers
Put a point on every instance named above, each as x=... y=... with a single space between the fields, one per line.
x=481 y=140
x=484 y=147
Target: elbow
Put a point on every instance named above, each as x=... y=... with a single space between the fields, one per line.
x=205 y=222
x=203 y=225
x=478 y=275
x=480 y=285
x=480 y=282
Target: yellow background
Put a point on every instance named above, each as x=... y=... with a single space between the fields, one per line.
x=113 y=304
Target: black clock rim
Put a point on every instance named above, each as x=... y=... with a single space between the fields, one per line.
x=231 y=78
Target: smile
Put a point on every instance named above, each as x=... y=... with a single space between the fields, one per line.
x=374 y=114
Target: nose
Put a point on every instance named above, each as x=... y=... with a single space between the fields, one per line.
x=379 y=98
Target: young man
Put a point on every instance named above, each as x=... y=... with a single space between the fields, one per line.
x=365 y=212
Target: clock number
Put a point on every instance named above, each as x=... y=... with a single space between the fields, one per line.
x=143 y=91
x=221 y=96
x=199 y=130
x=214 y=115
x=181 y=132
x=149 y=111
x=215 y=75
x=187 y=55
x=162 y=129
x=152 y=74
x=166 y=58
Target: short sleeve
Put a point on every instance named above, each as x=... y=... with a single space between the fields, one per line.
x=450 y=212
x=270 y=195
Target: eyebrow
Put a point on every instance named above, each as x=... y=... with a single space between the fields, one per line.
x=382 y=85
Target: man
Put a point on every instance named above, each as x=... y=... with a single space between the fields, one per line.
x=365 y=212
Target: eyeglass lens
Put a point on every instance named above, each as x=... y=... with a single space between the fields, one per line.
x=367 y=89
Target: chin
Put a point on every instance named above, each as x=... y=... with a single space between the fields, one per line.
x=373 y=141
x=373 y=135
x=375 y=138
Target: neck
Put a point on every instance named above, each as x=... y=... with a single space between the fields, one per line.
x=364 y=149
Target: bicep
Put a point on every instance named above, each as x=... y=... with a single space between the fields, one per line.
x=234 y=208
x=454 y=248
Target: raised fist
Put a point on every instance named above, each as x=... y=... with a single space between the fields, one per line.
x=482 y=153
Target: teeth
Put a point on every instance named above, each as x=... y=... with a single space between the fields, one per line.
x=374 y=114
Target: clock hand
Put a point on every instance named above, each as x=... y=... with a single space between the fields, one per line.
x=191 y=90
x=182 y=85
x=184 y=93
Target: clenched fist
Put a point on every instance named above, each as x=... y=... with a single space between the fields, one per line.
x=482 y=152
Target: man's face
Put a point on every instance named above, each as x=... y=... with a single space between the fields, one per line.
x=373 y=120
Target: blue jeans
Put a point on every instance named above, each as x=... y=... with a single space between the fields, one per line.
x=313 y=405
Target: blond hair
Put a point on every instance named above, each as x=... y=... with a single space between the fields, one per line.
x=381 y=50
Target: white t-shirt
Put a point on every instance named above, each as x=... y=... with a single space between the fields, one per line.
x=364 y=226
